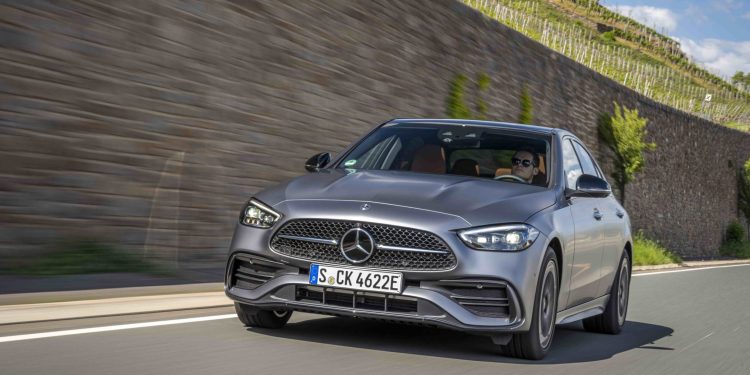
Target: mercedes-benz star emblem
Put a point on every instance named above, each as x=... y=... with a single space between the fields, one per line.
x=357 y=245
x=365 y=207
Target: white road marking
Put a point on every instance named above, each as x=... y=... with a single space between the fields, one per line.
x=688 y=269
x=699 y=340
x=119 y=327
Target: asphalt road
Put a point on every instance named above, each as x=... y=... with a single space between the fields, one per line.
x=695 y=322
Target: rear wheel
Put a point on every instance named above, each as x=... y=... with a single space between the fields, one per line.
x=535 y=343
x=253 y=317
x=613 y=318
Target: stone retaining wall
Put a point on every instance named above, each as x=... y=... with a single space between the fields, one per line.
x=147 y=124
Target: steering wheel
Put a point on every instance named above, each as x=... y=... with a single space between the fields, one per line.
x=511 y=177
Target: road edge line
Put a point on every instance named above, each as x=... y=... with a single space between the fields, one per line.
x=659 y=272
x=118 y=327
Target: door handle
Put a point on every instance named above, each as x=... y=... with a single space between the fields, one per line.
x=597 y=215
x=620 y=214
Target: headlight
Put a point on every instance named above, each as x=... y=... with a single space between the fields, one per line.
x=513 y=237
x=258 y=215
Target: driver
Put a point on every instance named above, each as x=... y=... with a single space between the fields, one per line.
x=525 y=164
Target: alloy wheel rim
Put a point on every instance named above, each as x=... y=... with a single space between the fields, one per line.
x=280 y=313
x=548 y=305
x=622 y=292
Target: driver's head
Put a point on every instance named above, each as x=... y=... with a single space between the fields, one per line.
x=525 y=164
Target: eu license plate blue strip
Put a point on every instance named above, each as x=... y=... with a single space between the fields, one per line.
x=314 y=274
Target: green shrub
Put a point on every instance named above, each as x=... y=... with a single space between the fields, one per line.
x=649 y=252
x=735 y=232
x=456 y=106
x=525 y=117
x=609 y=37
x=483 y=84
x=735 y=249
x=735 y=244
x=743 y=189
x=86 y=257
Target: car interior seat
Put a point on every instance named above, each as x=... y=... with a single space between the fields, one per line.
x=466 y=167
x=429 y=158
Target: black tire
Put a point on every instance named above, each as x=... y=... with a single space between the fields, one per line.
x=532 y=344
x=613 y=318
x=252 y=317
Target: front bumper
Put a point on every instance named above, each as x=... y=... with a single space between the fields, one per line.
x=453 y=301
x=445 y=303
x=431 y=294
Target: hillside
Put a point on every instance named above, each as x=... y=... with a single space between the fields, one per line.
x=625 y=51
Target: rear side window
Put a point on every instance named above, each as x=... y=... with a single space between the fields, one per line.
x=570 y=164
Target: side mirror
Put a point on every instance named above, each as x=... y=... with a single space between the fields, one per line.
x=590 y=186
x=317 y=162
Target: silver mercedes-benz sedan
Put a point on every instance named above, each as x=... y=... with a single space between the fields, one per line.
x=499 y=229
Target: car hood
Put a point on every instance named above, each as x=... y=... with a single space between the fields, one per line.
x=477 y=201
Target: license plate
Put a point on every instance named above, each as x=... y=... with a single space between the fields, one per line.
x=357 y=279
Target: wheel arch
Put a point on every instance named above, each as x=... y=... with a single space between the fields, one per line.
x=556 y=245
x=629 y=250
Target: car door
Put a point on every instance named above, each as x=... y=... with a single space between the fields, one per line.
x=612 y=215
x=588 y=238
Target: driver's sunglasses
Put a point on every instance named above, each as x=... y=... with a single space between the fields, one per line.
x=524 y=162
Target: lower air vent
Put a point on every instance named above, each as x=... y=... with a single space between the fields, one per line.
x=489 y=300
x=251 y=272
x=356 y=300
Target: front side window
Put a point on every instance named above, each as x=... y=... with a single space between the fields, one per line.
x=571 y=165
x=587 y=163
x=474 y=151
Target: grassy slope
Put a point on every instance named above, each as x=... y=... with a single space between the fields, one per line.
x=637 y=57
x=649 y=252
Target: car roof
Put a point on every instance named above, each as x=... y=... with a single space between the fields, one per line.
x=497 y=124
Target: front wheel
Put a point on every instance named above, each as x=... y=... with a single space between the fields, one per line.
x=535 y=343
x=252 y=317
x=613 y=318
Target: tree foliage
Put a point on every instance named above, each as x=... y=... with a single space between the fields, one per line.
x=525 y=117
x=742 y=79
x=624 y=133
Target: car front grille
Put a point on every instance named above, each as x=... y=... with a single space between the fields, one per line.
x=398 y=248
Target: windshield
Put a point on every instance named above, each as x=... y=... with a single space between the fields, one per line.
x=476 y=151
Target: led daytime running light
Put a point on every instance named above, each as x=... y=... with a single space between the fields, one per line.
x=258 y=215
x=513 y=237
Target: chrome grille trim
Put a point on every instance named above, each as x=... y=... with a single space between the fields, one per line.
x=398 y=248
x=310 y=239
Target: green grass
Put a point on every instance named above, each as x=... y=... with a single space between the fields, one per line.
x=85 y=257
x=648 y=252
x=736 y=249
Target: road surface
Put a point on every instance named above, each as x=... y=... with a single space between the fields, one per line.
x=693 y=322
